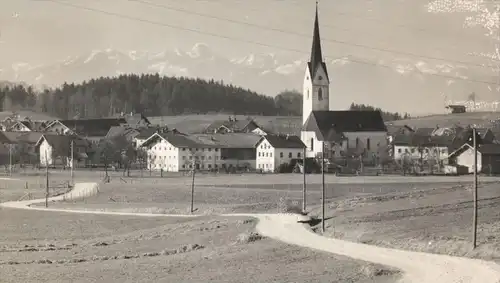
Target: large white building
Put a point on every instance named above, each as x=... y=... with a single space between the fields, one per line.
x=174 y=151
x=343 y=133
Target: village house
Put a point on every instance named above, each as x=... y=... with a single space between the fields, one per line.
x=55 y=150
x=342 y=133
x=233 y=125
x=488 y=158
x=92 y=129
x=174 y=151
x=418 y=147
x=394 y=130
x=27 y=126
x=275 y=150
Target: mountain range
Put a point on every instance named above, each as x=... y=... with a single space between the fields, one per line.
x=396 y=84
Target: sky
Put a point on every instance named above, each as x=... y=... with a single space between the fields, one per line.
x=42 y=31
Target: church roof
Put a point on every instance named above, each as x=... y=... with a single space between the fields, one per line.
x=316 y=54
x=331 y=125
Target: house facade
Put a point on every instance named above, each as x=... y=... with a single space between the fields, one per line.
x=275 y=150
x=55 y=150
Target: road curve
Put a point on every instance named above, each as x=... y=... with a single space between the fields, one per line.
x=416 y=267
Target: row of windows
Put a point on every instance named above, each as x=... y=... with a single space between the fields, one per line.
x=426 y=150
x=320 y=94
x=159 y=147
x=270 y=154
x=346 y=142
x=152 y=156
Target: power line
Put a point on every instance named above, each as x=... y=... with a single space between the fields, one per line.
x=440 y=33
x=245 y=40
x=358 y=45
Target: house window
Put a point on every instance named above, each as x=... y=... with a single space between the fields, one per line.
x=368 y=143
x=270 y=154
x=307 y=92
x=357 y=142
x=298 y=154
x=312 y=144
x=289 y=155
x=399 y=150
x=320 y=94
x=184 y=149
x=281 y=154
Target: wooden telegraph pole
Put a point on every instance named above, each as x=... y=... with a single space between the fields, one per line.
x=323 y=186
x=304 y=181
x=72 y=162
x=474 y=219
x=46 y=179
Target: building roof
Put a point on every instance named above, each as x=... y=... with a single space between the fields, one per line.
x=232 y=125
x=316 y=54
x=92 y=127
x=425 y=131
x=62 y=143
x=283 y=141
x=487 y=149
x=231 y=140
x=330 y=125
x=19 y=137
x=396 y=129
x=116 y=131
x=423 y=140
x=134 y=120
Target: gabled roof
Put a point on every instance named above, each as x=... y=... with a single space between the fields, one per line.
x=424 y=131
x=116 y=131
x=283 y=141
x=316 y=54
x=232 y=140
x=331 y=125
x=233 y=125
x=145 y=133
x=178 y=140
x=135 y=119
x=423 y=140
x=489 y=149
x=396 y=129
x=90 y=127
x=22 y=137
x=62 y=143
x=229 y=140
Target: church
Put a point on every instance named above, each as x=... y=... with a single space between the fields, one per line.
x=343 y=133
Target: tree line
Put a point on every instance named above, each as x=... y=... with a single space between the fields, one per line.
x=387 y=116
x=153 y=95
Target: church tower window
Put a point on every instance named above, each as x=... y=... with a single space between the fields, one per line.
x=312 y=144
x=320 y=94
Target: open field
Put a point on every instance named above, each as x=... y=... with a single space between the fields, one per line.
x=481 y=119
x=236 y=194
x=59 y=247
x=438 y=221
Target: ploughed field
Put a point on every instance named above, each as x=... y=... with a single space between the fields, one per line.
x=69 y=247
x=438 y=220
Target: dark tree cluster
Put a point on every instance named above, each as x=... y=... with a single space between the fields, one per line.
x=152 y=95
x=387 y=116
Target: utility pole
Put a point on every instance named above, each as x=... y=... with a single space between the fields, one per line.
x=46 y=179
x=72 y=162
x=474 y=219
x=10 y=159
x=323 y=186
x=304 y=181
x=192 y=188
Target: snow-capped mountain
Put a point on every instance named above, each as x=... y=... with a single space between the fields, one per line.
x=395 y=83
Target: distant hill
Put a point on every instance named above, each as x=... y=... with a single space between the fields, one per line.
x=153 y=95
x=480 y=119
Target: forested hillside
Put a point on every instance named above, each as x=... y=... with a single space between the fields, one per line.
x=387 y=116
x=151 y=94
x=154 y=95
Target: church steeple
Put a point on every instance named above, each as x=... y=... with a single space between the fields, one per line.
x=316 y=54
x=316 y=82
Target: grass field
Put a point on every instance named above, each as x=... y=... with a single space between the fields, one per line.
x=480 y=119
x=438 y=221
x=60 y=247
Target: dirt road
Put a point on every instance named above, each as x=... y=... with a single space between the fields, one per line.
x=417 y=267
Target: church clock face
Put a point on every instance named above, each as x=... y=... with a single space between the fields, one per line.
x=320 y=78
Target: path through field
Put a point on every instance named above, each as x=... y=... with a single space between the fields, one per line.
x=417 y=267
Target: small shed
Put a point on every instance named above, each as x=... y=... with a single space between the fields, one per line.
x=488 y=158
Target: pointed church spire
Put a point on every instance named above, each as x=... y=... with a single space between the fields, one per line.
x=316 y=55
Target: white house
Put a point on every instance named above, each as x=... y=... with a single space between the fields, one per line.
x=343 y=133
x=415 y=147
x=274 y=150
x=56 y=150
x=174 y=151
